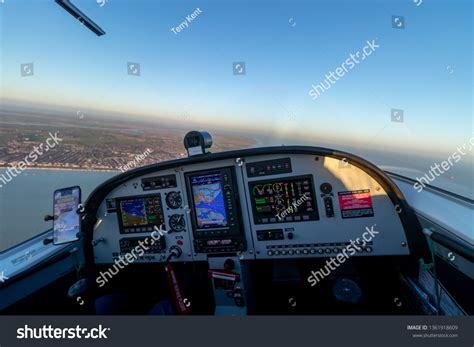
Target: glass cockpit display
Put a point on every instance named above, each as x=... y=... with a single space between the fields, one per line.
x=140 y=214
x=215 y=211
x=284 y=200
x=208 y=197
x=66 y=221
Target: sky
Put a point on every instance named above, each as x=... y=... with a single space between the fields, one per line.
x=424 y=69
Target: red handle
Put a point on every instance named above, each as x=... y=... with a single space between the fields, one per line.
x=180 y=302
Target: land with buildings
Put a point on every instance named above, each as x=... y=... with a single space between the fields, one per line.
x=96 y=144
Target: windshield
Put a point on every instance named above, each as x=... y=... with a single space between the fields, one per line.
x=389 y=81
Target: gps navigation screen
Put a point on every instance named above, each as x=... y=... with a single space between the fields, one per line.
x=66 y=219
x=141 y=214
x=208 y=200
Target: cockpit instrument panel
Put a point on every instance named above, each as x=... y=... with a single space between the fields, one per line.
x=264 y=206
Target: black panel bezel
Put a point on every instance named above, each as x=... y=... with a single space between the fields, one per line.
x=154 y=178
x=249 y=165
x=159 y=245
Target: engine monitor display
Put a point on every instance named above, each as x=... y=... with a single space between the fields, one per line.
x=284 y=200
x=140 y=214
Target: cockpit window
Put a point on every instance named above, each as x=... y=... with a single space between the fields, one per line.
x=388 y=81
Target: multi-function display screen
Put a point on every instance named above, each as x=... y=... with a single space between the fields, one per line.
x=215 y=212
x=140 y=214
x=208 y=198
x=284 y=200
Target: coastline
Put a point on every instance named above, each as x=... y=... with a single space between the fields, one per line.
x=59 y=168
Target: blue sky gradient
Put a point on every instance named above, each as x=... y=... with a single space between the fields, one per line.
x=424 y=69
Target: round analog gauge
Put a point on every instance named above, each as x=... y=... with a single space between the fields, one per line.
x=177 y=222
x=174 y=200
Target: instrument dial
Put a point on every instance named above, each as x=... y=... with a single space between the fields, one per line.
x=326 y=188
x=174 y=200
x=177 y=222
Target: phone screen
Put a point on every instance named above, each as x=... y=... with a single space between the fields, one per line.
x=66 y=223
